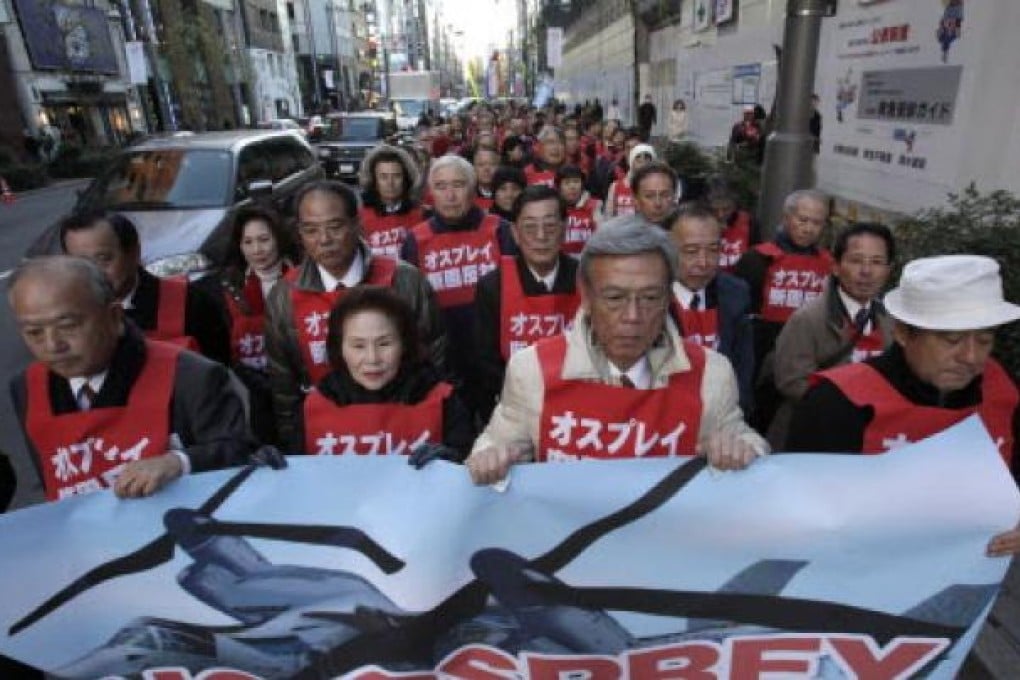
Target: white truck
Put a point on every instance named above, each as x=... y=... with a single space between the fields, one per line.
x=411 y=93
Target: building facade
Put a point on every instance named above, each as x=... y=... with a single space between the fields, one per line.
x=68 y=69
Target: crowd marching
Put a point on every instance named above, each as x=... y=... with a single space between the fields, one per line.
x=519 y=286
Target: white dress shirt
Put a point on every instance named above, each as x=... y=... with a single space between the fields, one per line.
x=640 y=374
x=354 y=276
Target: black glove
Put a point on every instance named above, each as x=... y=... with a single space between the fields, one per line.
x=426 y=453
x=268 y=456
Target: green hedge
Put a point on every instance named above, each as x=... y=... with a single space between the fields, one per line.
x=73 y=162
x=975 y=223
x=696 y=167
x=24 y=176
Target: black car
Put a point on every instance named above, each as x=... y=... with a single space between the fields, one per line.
x=181 y=189
x=349 y=137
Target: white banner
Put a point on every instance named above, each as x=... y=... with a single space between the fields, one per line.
x=138 y=71
x=803 y=566
x=554 y=47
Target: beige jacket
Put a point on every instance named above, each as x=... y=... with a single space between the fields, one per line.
x=517 y=415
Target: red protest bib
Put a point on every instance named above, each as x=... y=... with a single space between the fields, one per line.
x=700 y=326
x=791 y=281
x=373 y=429
x=85 y=451
x=868 y=345
x=526 y=319
x=173 y=295
x=580 y=226
x=623 y=198
x=897 y=421
x=535 y=176
x=247 y=336
x=583 y=419
x=454 y=261
x=735 y=241
x=386 y=233
x=310 y=312
x=483 y=202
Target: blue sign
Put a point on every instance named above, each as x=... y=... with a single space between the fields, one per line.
x=67 y=37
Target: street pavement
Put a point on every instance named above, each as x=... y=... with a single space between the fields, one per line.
x=20 y=224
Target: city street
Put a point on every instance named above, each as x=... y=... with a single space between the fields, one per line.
x=20 y=223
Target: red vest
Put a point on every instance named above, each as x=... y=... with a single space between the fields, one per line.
x=373 y=429
x=583 y=419
x=898 y=421
x=173 y=295
x=623 y=198
x=699 y=326
x=735 y=240
x=580 y=225
x=484 y=203
x=386 y=233
x=791 y=281
x=454 y=261
x=85 y=451
x=535 y=176
x=868 y=345
x=526 y=319
x=310 y=312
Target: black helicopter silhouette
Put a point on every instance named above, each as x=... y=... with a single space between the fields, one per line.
x=306 y=622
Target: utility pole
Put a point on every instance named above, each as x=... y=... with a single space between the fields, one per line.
x=789 y=150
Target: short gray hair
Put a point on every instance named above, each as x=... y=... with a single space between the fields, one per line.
x=628 y=235
x=459 y=163
x=794 y=198
x=76 y=268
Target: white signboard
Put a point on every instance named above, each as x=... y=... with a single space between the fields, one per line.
x=890 y=96
x=702 y=10
x=138 y=72
x=554 y=47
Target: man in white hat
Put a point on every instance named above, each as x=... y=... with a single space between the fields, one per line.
x=938 y=372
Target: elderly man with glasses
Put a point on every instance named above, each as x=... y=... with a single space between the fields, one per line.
x=621 y=383
x=336 y=258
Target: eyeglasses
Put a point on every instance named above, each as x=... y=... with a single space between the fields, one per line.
x=547 y=227
x=646 y=300
x=334 y=228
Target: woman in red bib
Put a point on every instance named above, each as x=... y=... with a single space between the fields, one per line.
x=258 y=257
x=382 y=396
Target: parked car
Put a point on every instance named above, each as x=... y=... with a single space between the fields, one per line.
x=181 y=192
x=349 y=137
x=282 y=124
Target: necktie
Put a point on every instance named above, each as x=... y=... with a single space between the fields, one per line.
x=625 y=381
x=696 y=301
x=86 y=397
x=861 y=318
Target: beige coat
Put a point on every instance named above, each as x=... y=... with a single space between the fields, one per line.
x=517 y=415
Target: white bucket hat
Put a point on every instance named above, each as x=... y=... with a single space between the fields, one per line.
x=951 y=293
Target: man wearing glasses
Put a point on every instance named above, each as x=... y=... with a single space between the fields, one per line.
x=528 y=297
x=336 y=258
x=846 y=324
x=621 y=383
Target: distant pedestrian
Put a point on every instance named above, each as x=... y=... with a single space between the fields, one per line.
x=648 y=116
x=677 y=125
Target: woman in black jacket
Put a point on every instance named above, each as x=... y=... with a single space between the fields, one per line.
x=382 y=395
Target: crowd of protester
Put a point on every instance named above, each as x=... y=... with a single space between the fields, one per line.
x=517 y=286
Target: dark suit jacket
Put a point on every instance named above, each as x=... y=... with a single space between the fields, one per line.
x=205 y=411
x=730 y=296
x=489 y=365
x=205 y=318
